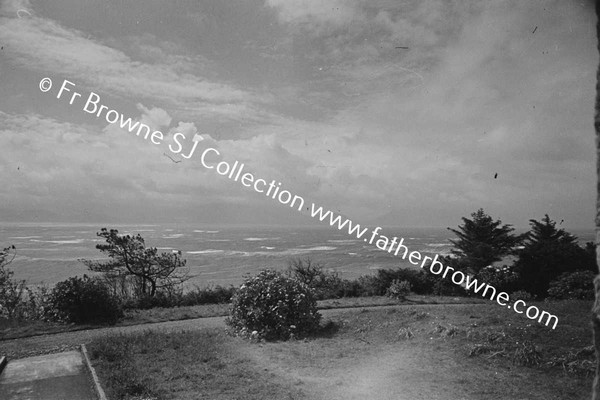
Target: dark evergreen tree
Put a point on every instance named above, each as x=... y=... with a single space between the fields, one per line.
x=547 y=253
x=481 y=242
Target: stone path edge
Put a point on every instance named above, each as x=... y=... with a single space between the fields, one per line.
x=97 y=386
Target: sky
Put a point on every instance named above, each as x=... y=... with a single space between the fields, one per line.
x=409 y=113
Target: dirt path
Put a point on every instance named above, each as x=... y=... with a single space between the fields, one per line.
x=392 y=373
x=67 y=340
x=399 y=371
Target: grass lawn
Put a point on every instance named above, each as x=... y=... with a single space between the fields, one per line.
x=447 y=351
x=189 y=365
x=21 y=329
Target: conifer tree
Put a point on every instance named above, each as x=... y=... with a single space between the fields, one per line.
x=481 y=242
x=547 y=253
x=129 y=256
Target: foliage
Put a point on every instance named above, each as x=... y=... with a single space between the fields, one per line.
x=273 y=306
x=208 y=295
x=445 y=287
x=504 y=279
x=547 y=253
x=325 y=284
x=481 y=242
x=84 y=300
x=177 y=298
x=521 y=295
x=130 y=257
x=12 y=292
x=578 y=285
x=17 y=301
x=421 y=282
x=527 y=354
x=398 y=289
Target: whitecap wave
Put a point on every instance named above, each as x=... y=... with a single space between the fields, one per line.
x=318 y=248
x=73 y=241
x=209 y=251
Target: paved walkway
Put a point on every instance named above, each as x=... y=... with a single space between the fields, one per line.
x=59 y=376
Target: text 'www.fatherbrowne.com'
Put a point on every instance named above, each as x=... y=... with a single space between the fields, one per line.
x=211 y=159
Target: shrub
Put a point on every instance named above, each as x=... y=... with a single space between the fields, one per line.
x=521 y=295
x=273 y=306
x=325 y=284
x=421 y=282
x=12 y=292
x=527 y=354
x=369 y=285
x=209 y=295
x=350 y=288
x=84 y=300
x=445 y=287
x=573 y=285
x=176 y=298
x=398 y=289
x=504 y=279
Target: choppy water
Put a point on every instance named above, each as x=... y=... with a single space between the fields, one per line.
x=48 y=253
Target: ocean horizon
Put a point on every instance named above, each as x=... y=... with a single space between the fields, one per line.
x=47 y=253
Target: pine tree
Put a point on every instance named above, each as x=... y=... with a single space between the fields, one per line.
x=547 y=253
x=129 y=256
x=481 y=242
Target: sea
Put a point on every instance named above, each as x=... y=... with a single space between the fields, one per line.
x=47 y=253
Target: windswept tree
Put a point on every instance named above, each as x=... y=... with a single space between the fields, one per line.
x=481 y=242
x=11 y=290
x=547 y=253
x=129 y=256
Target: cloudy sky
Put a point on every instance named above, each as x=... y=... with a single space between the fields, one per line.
x=409 y=113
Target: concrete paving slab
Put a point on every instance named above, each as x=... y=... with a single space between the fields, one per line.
x=60 y=376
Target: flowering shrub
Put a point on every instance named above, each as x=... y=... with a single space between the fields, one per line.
x=573 y=285
x=398 y=289
x=272 y=306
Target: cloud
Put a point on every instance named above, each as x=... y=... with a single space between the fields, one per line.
x=412 y=136
x=46 y=46
x=338 y=12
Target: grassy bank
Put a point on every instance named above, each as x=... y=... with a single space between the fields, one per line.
x=478 y=351
x=188 y=365
x=13 y=330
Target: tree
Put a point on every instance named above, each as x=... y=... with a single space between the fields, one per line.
x=547 y=253
x=11 y=291
x=129 y=256
x=481 y=242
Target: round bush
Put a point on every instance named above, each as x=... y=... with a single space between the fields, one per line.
x=84 y=300
x=573 y=285
x=272 y=306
